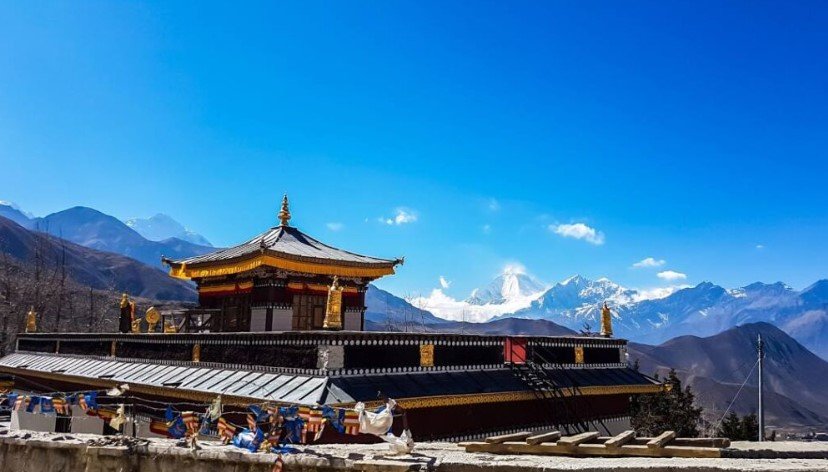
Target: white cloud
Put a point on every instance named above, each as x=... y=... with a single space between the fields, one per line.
x=487 y=229
x=649 y=262
x=760 y=246
x=445 y=284
x=494 y=205
x=402 y=216
x=578 y=231
x=449 y=308
x=671 y=275
x=657 y=292
x=335 y=226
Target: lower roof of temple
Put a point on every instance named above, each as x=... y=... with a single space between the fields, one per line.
x=412 y=389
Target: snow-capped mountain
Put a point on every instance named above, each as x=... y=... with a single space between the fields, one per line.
x=577 y=302
x=509 y=292
x=703 y=310
x=161 y=227
x=509 y=286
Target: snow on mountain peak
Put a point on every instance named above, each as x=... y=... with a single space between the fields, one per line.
x=160 y=227
x=510 y=286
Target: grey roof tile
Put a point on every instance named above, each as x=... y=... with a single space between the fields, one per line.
x=292 y=243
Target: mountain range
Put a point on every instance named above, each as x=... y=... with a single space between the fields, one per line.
x=96 y=230
x=89 y=267
x=702 y=310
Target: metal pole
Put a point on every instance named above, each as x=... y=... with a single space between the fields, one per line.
x=761 y=400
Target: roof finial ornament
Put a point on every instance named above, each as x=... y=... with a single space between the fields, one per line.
x=284 y=213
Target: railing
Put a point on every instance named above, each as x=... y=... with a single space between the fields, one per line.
x=194 y=320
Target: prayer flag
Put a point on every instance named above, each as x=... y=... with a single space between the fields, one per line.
x=351 y=422
x=46 y=405
x=190 y=421
x=315 y=420
x=106 y=414
x=119 y=419
x=169 y=415
x=21 y=402
x=11 y=400
x=160 y=427
x=176 y=428
x=226 y=430
x=251 y=422
x=215 y=409
x=249 y=440
x=61 y=406
x=33 y=403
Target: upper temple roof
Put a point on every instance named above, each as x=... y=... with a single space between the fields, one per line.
x=282 y=247
x=288 y=242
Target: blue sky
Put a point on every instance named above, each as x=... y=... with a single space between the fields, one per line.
x=689 y=132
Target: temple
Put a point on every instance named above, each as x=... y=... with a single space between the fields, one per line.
x=280 y=321
x=282 y=280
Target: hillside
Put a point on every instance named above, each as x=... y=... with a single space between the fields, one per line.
x=717 y=365
x=89 y=267
x=91 y=228
x=392 y=312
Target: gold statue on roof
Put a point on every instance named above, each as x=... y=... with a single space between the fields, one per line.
x=333 y=309
x=31 y=321
x=606 y=321
x=284 y=213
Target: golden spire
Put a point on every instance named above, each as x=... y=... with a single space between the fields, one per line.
x=284 y=213
x=606 y=321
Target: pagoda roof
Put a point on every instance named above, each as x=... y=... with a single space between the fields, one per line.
x=284 y=247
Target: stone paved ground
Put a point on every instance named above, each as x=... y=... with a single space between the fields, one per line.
x=27 y=451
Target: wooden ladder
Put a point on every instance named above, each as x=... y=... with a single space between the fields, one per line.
x=626 y=444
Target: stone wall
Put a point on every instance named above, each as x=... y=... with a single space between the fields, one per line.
x=25 y=451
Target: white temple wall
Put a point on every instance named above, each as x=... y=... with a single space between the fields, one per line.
x=258 y=319
x=282 y=319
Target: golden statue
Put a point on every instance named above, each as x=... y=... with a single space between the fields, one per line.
x=333 y=310
x=196 y=352
x=152 y=318
x=606 y=321
x=31 y=321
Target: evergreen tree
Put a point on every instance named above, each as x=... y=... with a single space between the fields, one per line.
x=669 y=410
x=734 y=428
x=731 y=427
x=750 y=427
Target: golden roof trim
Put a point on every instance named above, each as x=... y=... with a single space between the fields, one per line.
x=185 y=271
